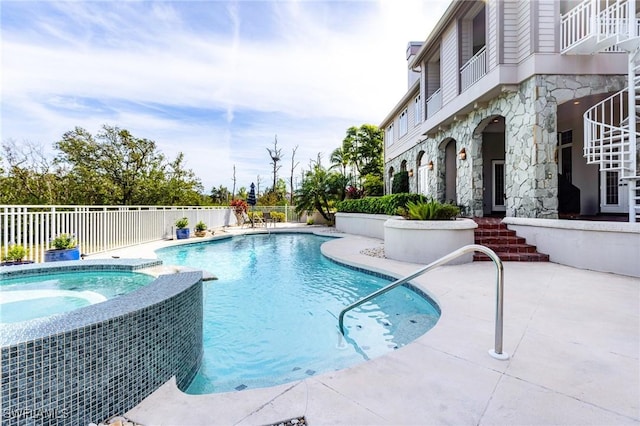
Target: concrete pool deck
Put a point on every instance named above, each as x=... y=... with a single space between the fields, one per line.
x=573 y=337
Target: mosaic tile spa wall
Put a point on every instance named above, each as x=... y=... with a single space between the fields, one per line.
x=102 y=360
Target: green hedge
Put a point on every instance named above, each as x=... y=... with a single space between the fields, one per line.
x=400 y=183
x=278 y=216
x=387 y=204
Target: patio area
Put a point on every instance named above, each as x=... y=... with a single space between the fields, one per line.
x=573 y=337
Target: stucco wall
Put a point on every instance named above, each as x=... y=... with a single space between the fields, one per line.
x=598 y=246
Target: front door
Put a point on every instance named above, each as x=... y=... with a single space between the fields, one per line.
x=498 y=196
x=423 y=175
x=614 y=194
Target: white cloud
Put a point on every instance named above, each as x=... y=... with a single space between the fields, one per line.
x=303 y=70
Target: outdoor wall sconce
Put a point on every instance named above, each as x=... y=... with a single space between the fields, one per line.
x=430 y=165
x=463 y=154
x=411 y=173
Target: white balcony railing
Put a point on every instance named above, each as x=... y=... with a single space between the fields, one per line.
x=594 y=26
x=434 y=102
x=576 y=24
x=474 y=69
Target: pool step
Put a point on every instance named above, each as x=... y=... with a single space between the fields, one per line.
x=492 y=233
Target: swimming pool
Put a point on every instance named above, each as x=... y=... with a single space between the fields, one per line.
x=271 y=317
x=27 y=297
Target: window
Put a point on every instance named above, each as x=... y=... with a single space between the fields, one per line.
x=389 y=136
x=417 y=111
x=403 y=123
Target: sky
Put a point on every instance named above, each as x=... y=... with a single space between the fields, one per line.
x=216 y=80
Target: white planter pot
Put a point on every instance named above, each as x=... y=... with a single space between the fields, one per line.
x=424 y=241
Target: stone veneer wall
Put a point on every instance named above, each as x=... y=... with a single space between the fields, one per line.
x=101 y=360
x=530 y=114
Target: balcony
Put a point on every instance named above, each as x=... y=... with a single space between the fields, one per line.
x=474 y=69
x=434 y=102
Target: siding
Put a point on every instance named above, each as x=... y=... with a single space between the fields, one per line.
x=548 y=14
x=524 y=28
x=449 y=64
x=511 y=32
x=493 y=42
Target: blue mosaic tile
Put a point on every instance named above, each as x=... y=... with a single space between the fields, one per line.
x=101 y=360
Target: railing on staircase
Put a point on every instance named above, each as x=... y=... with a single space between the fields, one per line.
x=611 y=126
x=607 y=141
x=597 y=26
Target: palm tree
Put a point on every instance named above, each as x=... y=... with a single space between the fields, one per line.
x=320 y=190
x=339 y=158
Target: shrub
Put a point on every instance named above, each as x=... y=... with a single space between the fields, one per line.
x=182 y=223
x=387 y=204
x=400 y=182
x=239 y=205
x=353 y=193
x=201 y=226
x=64 y=241
x=278 y=216
x=430 y=210
x=16 y=252
x=373 y=185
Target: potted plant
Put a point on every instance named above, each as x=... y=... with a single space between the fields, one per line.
x=65 y=247
x=201 y=229
x=428 y=231
x=239 y=207
x=182 y=232
x=15 y=256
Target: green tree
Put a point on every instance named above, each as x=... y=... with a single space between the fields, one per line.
x=340 y=159
x=320 y=190
x=363 y=149
x=275 y=197
x=29 y=177
x=181 y=186
x=114 y=167
x=373 y=185
x=242 y=193
x=221 y=195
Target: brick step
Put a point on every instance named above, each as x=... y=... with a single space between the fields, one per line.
x=480 y=232
x=513 y=257
x=512 y=248
x=488 y=240
x=492 y=233
x=491 y=225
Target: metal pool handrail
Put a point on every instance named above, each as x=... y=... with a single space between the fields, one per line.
x=497 y=351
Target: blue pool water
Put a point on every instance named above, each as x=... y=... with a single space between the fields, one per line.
x=42 y=295
x=271 y=317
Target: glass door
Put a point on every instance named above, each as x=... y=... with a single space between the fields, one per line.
x=613 y=193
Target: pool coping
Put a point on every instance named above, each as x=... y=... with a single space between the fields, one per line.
x=569 y=366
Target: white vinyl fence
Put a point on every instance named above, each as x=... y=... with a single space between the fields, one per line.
x=102 y=228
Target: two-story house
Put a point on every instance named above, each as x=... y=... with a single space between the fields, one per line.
x=494 y=116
